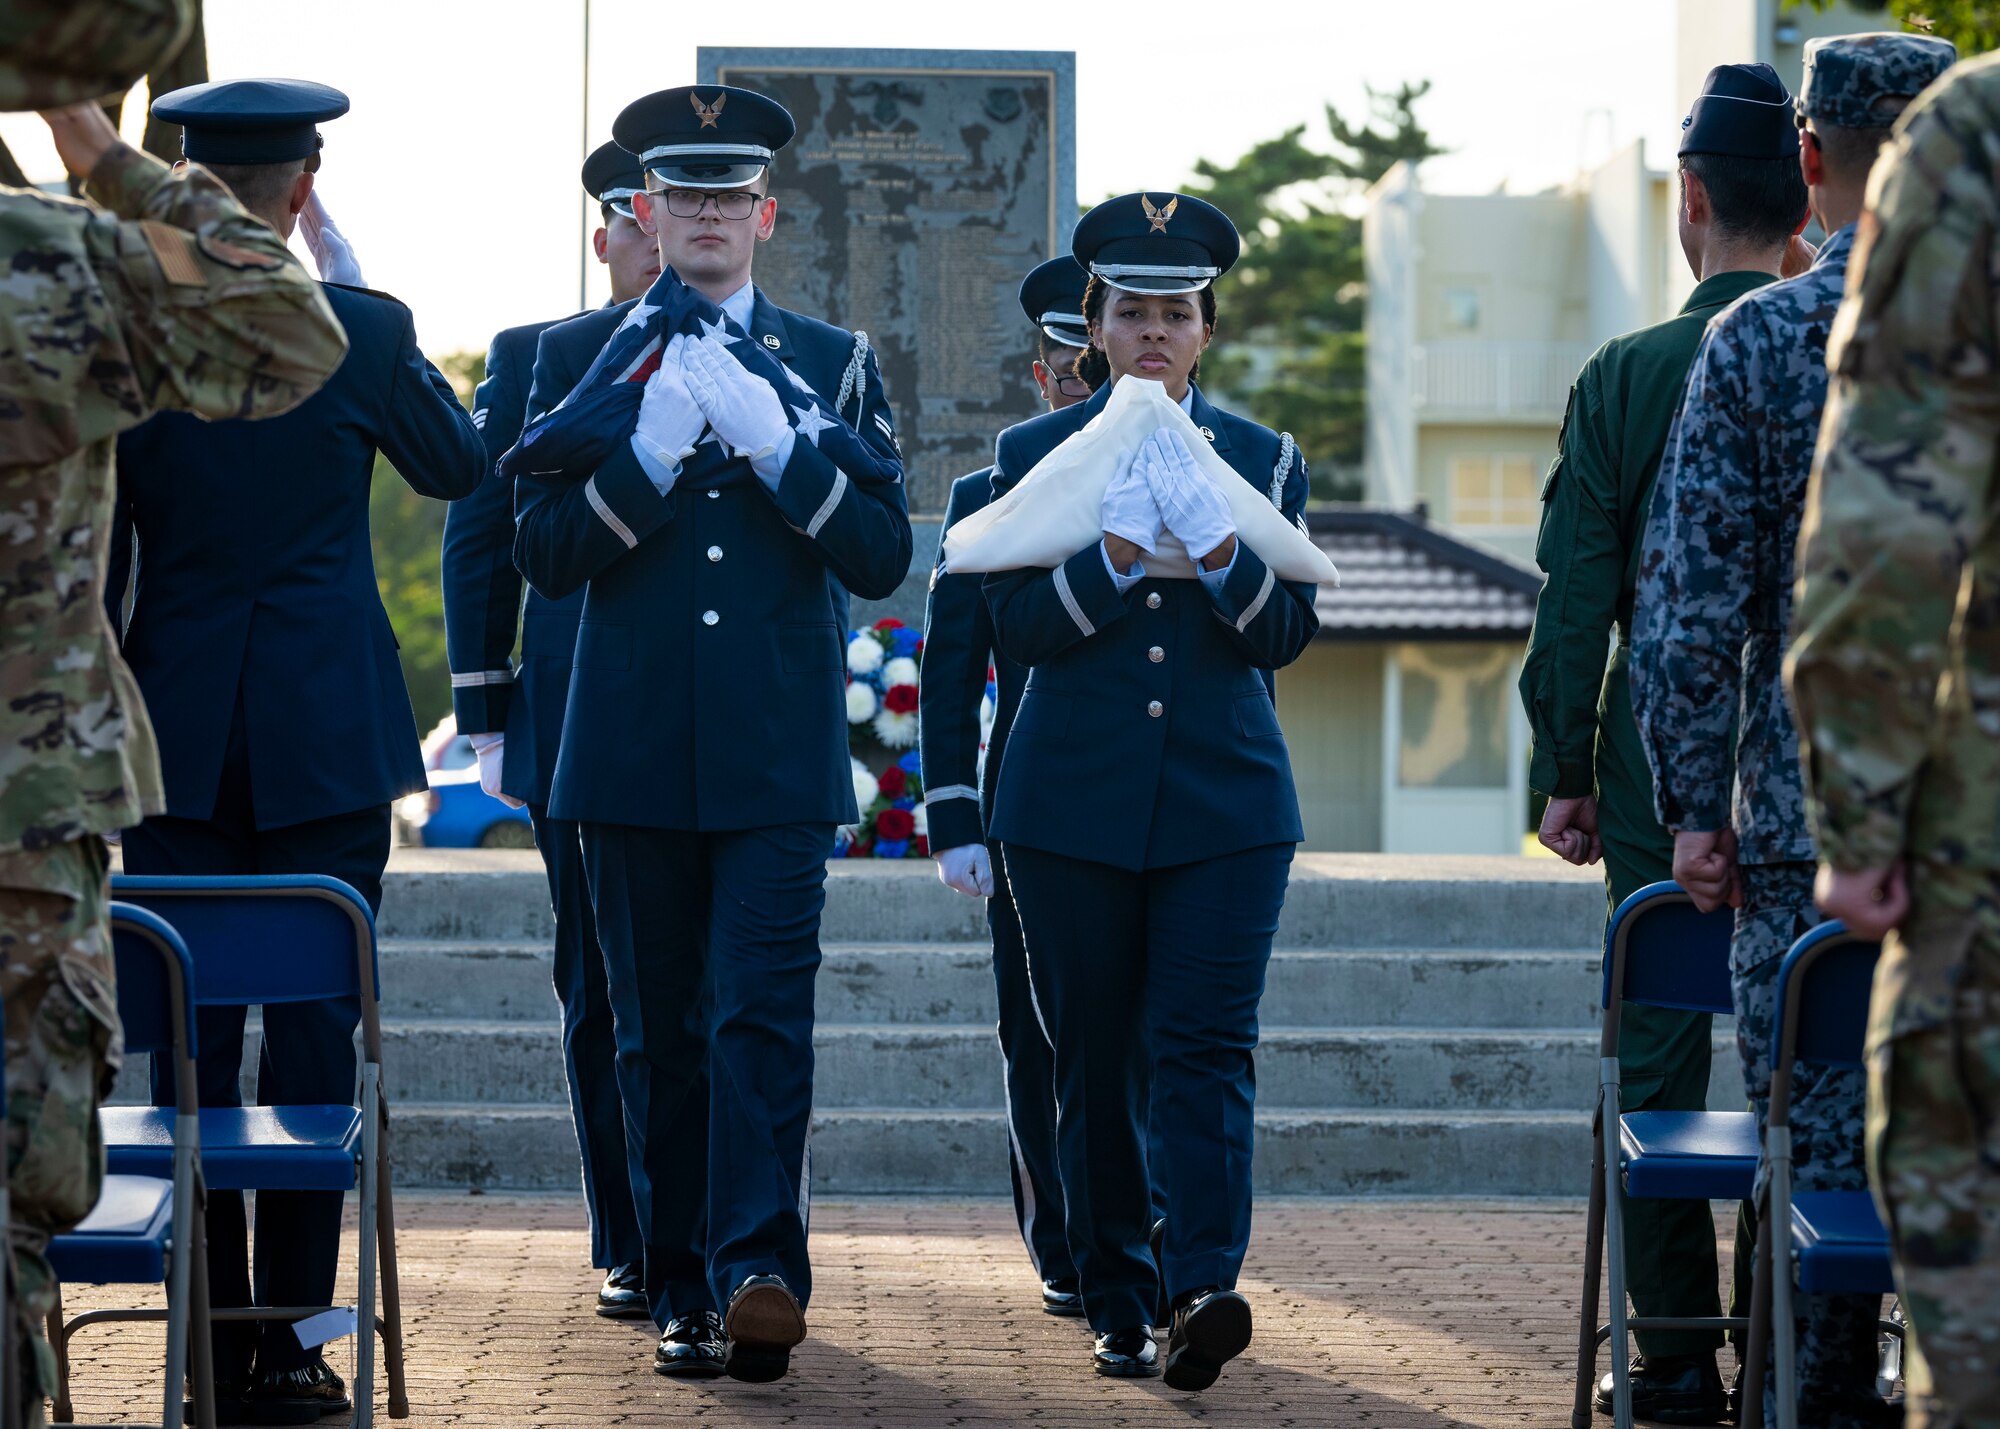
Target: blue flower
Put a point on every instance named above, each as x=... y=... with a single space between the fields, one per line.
x=892 y=848
x=912 y=764
x=905 y=641
x=904 y=803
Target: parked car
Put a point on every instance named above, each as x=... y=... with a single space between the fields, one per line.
x=455 y=812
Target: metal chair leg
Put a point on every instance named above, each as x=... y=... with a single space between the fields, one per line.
x=364 y=1339
x=1614 y=1248
x=1593 y=1268
x=392 y=1292
x=61 y=1411
x=1757 y=1339
x=201 y=1347
x=1783 y=1325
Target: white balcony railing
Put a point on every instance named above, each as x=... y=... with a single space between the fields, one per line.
x=1474 y=380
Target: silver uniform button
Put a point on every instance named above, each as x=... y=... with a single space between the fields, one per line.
x=709 y=617
x=715 y=553
x=1156 y=709
x=1153 y=600
x=715 y=493
x=1156 y=654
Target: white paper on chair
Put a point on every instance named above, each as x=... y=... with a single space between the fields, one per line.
x=325 y=1327
x=1057 y=509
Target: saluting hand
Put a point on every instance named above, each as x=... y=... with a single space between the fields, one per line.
x=332 y=254
x=1189 y=503
x=670 y=421
x=742 y=407
x=82 y=133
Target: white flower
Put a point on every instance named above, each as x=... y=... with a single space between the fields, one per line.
x=896 y=731
x=864 y=655
x=865 y=787
x=900 y=671
x=860 y=703
x=922 y=822
x=986 y=713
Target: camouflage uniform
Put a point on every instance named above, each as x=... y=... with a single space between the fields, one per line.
x=1896 y=680
x=171 y=298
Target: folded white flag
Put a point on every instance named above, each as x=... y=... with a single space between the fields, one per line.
x=1058 y=507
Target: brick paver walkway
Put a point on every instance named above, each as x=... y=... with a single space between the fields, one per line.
x=1377 y=1313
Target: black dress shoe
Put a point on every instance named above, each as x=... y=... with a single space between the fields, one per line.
x=1062 y=1297
x=763 y=1322
x=296 y=1396
x=1211 y=1328
x=1127 y=1354
x=1683 y=1389
x=691 y=1347
x=232 y=1407
x=622 y=1296
x=1163 y=1314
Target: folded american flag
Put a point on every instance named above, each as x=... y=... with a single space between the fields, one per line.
x=576 y=437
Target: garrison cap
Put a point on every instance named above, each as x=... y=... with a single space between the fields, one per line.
x=1052 y=297
x=250 y=121
x=1846 y=74
x=58 y=52
x=704 y=136
x=612 y=176
x=1156 y=243
x=1744 y=111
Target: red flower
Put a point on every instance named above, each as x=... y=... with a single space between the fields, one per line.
x=923 y=846
x=893 y=780
x=860 y=848
x=901 y=699
x=893 y=824
x=888 y=622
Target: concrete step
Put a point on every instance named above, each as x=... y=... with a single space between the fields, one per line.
x=918 y=983
x=1335 y=901
x=958 y=1067
x=1299 y=1152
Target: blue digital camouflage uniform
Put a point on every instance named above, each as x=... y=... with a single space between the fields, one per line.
x=1714 y=601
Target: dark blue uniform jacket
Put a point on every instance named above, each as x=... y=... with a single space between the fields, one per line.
x=708 y=691
x=958 y=646
x=256 y=579
x=1147 y=735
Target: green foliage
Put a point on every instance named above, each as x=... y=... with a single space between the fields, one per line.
x=1290 y=315
x=1972 y=25
x=407 y=531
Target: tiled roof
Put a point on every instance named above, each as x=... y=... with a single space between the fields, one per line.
x=1402 y=578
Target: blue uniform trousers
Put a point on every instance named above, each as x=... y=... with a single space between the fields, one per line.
x=590 y=1049
x=308 y=1056
x=1030 y=1071
x=711 y=948
x=1152 y=977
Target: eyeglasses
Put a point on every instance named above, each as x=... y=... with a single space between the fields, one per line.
x=688 y=203
x=1072 y=386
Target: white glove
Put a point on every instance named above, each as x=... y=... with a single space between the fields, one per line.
x=491 y=748
x=1189 y=503
x=331 y=251
x=968 y=869
x=1130 y=509
x=669 y=421
x=743 y=408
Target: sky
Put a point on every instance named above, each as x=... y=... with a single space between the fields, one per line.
x=455 y=175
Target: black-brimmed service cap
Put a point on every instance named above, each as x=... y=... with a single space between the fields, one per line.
x=1846 y=75
x=250 y=121
x=704 y=136
x=1052 y=297
x=1744 y=111
x=1156 y=243
x=612 y=176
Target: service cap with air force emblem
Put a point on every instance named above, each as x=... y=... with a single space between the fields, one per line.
x=1744 y=111
x=612 y=176
x=1052 y=297
x=1845 y=75
x=1161 y=243
x=250 y=121
x=704 y=136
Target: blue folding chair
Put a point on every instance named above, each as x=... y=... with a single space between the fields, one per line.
x=1659 y=951
x=1836 y=1242
x=147 y=1229
x=259 y=940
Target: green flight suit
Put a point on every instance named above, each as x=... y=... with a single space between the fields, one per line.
x=1575 y=685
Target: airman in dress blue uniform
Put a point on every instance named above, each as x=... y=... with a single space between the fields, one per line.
x=704 y=746
x=270 y=671
x=958 y=800
x=1150 y=881
x=514 y=718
